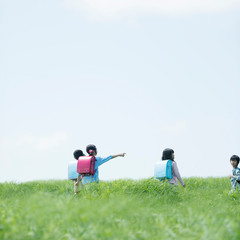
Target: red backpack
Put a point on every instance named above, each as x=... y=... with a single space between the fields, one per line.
x=86 y=165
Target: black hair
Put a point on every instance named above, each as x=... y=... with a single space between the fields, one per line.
x=235 y=158
x=78 y=153
x=167 y=154
x=91 y=147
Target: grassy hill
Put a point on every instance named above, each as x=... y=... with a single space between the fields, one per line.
x=122 y=209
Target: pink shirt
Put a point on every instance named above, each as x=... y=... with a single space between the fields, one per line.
x=176 y=175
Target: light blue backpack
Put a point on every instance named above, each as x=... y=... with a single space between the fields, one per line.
x=163 y=170
x=72 y=170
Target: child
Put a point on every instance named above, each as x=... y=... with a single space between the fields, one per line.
x=77 y=154
x=168 y=154
x=92 y=150
x=235 y=175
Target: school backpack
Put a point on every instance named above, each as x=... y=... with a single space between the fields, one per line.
x=72 y=170
x=163 y=170
x=86 y=165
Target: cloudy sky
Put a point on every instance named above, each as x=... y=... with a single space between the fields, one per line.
x=132 y=76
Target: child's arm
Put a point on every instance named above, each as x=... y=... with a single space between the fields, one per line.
x=118 y=155
x=177 y=174
x=103 y=160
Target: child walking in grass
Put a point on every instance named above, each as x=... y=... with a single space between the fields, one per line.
x=92 y=150
x=77 y=154
x=235 y=175
x=168 y=154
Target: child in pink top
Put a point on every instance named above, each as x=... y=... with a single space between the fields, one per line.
x=168 y=154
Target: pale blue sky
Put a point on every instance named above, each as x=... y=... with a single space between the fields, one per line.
x=133 y=78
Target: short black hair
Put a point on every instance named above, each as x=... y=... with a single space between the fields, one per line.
x=78 y=153
x=91 y=147
x=235 y=158
x=167 y=154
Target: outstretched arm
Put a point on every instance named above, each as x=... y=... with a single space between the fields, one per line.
x=100 y=160
x=118 y=155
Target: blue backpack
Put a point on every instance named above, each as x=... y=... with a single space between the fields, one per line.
x=72 y=170
x=163 y=170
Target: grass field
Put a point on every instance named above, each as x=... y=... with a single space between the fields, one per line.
x=122 y=209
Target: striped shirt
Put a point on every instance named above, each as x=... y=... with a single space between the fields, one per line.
x=235 y=178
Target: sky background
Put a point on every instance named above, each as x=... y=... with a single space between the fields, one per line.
x=133 y=76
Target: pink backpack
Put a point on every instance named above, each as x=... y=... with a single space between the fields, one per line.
x=86 y=165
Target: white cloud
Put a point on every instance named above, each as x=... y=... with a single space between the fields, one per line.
x=174 y=129
x=102 y=9
x=42 y=142
x=21 y=154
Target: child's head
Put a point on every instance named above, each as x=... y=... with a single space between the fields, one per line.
x=91 y=150
x=77 y=154
x=234 y=160
x=168 y=154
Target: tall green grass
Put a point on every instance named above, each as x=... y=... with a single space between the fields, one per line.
x=122 y=209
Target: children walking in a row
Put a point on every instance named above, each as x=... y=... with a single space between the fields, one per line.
x=167 y=155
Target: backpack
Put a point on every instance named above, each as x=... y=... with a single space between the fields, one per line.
x=163 y=170
x=86 y=165
x=72 y=170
